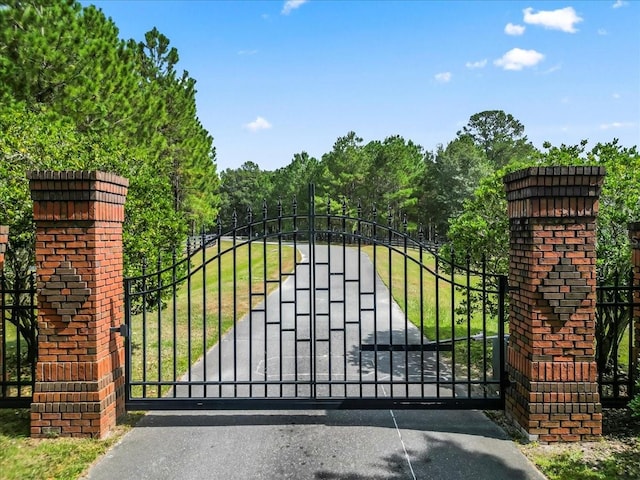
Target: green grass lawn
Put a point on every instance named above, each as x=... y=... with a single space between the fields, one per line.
x=440 y=309
x=22 y=457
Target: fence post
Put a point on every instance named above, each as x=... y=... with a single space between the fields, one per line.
x=553 y=394
x=80 y=370
x=634 y=236
x=4 y=240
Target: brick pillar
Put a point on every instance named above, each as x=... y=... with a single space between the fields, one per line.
x=79 y=387
x=634 y=236
x=551 y=352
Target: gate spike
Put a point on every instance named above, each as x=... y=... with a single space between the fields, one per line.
x=295 y=206
x=264 y=209
x=234 y=219
x=328 y=206
x=389 y=215
x=374 y=214
x=405 y=223
x=279 y=208
x=359 y=209
x=421 y=234
x=219 y=225
x=249 y=214
x=344 y=207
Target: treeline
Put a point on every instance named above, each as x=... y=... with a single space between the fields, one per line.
x=395 y=174
x=455 y=192
x=73 y=95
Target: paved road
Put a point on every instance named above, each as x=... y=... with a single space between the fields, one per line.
x=316 y=444
x=344 y=445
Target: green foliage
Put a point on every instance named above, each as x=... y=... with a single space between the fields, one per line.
x=500 y=136
x=75 y=96
x=634 y=404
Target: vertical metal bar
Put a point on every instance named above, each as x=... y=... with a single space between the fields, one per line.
x=144 y=327
x=159 y=307
x=219 y=280
x=484 y=323
x=436 y=270
x=295 y=293
x=127 y=339
x=312 y=288
x=632 y=360
x=421 y=267
x=189 y=359
x=330 y=364
x=359 y=277
x=375 y=302
x=617 y=314
x=250 y=280
x=453 y=322
x=468 y=266
x=344 y=295
x=235 y=304
x=281 y=353
x=174 y=294
x=390 y=258
x=265 y=290
x=205 y=377
x=406 y=304
x=502 y=292
x=3 y=319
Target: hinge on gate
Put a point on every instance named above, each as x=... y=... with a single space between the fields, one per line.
x=122 y=330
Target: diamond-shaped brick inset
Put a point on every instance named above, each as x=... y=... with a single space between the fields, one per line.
x=564 y=304
x=66 y=291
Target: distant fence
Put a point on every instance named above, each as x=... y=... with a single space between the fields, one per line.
x=18 y=342
x=615 y=355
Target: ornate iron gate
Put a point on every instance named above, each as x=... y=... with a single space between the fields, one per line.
x=322 y=309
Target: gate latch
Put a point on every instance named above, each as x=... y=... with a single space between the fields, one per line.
x=122 y=330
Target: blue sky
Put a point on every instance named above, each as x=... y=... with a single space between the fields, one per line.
x=275 y=78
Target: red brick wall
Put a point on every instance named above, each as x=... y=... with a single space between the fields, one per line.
x=551 y=351
x=80 y=371
x=634 y=235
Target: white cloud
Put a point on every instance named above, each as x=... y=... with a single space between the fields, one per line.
x=616 y=95
x=609 y=126
x=291 y=5
x=619 y=3
x=511 y=29
x=443 y=77
x=517 y=59
x=563 y=19
x=478 y=64
x=258 y=124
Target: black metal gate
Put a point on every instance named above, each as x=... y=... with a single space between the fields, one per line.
x=321 y=309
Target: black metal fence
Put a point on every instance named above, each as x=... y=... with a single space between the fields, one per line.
x=18 y=341
x=617 y=365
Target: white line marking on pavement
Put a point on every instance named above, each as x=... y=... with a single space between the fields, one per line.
x=404 y=447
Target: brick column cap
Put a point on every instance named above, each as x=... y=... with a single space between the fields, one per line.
x=554 y=181
x=571 y=191
x=72 y=195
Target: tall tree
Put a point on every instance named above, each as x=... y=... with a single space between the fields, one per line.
x=451 y=178
x=499 y=135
